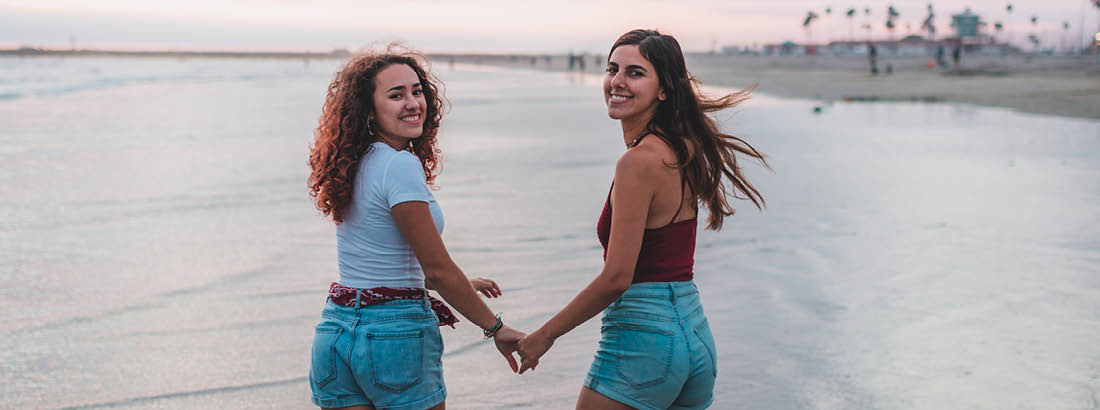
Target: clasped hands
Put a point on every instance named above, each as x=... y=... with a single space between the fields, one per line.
x=529 y=348
x=508 y=340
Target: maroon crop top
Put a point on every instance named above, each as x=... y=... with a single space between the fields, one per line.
x=667 y=253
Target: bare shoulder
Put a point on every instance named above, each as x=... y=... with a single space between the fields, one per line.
x=641 y=161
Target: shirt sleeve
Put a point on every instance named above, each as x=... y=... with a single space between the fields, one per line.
x=404 y=181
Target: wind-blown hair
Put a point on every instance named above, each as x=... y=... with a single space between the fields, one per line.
x=681 y=120
x=345 y=133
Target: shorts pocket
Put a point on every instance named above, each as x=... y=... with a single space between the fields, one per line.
x=322 y=368
x=396 y=359
x=643 y=353
x=704 y=335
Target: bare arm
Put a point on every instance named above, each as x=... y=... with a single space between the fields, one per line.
x=414 y=219
x=631 y=197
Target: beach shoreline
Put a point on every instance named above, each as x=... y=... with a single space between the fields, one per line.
x=1067 y=86
x=1050 y=85
x=910 y=255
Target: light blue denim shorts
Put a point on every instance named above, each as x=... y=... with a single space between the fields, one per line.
x=388 y=356
x=656 y=349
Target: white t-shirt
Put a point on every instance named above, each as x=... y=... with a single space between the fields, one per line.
x=371 y=251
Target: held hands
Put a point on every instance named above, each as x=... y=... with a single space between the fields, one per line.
x=531 y=348
x=486 y=286
x=506 y=340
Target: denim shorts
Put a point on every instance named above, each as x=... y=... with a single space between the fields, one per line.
x=388 y=356
x=656 y=349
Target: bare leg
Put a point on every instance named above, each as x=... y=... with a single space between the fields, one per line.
x=440 y=406
x=593 y=400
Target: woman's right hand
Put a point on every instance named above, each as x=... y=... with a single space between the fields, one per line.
x=486 y=286
x=507 y=340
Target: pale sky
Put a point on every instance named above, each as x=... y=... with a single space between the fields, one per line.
x=491 y=26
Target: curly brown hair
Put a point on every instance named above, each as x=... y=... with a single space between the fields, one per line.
x=345 y=132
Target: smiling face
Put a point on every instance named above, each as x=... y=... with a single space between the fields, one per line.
x=631 y=88
x=399 y=105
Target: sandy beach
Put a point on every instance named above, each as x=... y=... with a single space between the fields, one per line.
x=162 y=251
x=1063 y=86
x=1054 y=85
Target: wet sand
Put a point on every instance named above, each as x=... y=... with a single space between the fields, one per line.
x=162 y=252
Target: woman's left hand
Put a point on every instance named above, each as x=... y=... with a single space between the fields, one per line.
x=487 y=287
x=531 y=348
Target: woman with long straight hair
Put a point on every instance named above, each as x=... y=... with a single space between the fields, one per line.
x=378 y=343
x=656 y=350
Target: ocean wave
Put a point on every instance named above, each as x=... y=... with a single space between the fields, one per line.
x=102 y=83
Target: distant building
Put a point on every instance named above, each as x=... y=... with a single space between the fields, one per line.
x=965 y=24
x=914 y=45
x=737 y=50
x=846 y=48
x=787 y=48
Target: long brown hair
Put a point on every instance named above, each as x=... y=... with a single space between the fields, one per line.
x=345 y=132
x=681 y=120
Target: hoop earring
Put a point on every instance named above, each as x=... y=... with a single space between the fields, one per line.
x=370 y=127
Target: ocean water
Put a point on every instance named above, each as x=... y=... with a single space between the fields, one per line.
x=158 y=248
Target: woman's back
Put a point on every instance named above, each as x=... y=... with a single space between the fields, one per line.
x=667 y=253
x=371 y=251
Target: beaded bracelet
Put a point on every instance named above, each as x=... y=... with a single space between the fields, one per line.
x=493 y=330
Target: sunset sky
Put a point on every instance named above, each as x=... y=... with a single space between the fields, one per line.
x=490 y=26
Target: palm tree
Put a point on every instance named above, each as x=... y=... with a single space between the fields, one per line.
x=1034 y=35
x=851 y=14
x=867 y=25
x=891 y=15
x=810 y=17
x=1065 y=35
x=928 y=23
x=998 y=27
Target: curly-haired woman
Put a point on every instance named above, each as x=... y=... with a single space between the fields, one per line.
x=378 y=343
